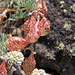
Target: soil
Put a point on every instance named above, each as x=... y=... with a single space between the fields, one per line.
x=53 y=50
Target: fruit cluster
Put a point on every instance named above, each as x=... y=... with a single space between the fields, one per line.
x=37 y=25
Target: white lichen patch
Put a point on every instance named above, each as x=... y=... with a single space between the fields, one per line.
x=61 y=6
x=14 y=57
x=61 y=46
x=73 y=7
x=39 y=72
x=73 y=51
x=67 y=26
x=65 y=10
x=62 y=2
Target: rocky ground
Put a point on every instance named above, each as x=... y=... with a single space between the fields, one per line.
x=60 y=42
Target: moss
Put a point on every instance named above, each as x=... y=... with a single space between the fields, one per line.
x=72 y=7
x=61 y=46
x=67 y=26
x=65 y=11
x=62 y=6
x=62 y=2
x=73 y=51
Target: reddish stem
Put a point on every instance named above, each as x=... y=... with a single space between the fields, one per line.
x=11 y=10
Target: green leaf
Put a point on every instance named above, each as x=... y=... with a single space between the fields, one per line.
x=3 y=39
x=19 y=15
x=28 y=4
x=3 y=3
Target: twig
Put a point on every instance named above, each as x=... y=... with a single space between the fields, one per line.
x=11 y=10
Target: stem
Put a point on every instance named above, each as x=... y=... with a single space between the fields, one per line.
x=41 y=14
x=9 y=71
x=11 y=10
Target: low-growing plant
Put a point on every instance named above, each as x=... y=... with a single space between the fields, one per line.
x=3 y=39
x=35 y=26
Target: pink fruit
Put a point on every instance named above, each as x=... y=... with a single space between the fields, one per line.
x=28 y=23
x=29 y=64
x=41 y=6
x=33 y=36
x=44 y=8
x=3 y=70
x=15 y=43
x=34 y=33
x=44 y=26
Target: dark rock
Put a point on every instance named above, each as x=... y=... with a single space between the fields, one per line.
x=63 y=63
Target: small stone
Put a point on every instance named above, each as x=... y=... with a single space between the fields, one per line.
x=62 y=6
x=61 y=45
x=62 y=2
x=65 y=11
x=67 y=26
x=73 y=7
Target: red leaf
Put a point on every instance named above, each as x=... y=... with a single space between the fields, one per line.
x=29 y=64
x=15 y=43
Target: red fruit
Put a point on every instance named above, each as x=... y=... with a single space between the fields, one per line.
x=29 y=64
x=15 y=43
x=44 y=26
x=41 y=6
x=3 y=70
x=33 y=34
x=28 y=23
x=44 y=8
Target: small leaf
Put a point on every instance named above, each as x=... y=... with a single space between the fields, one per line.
x=3 y=39
x=30 y=5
